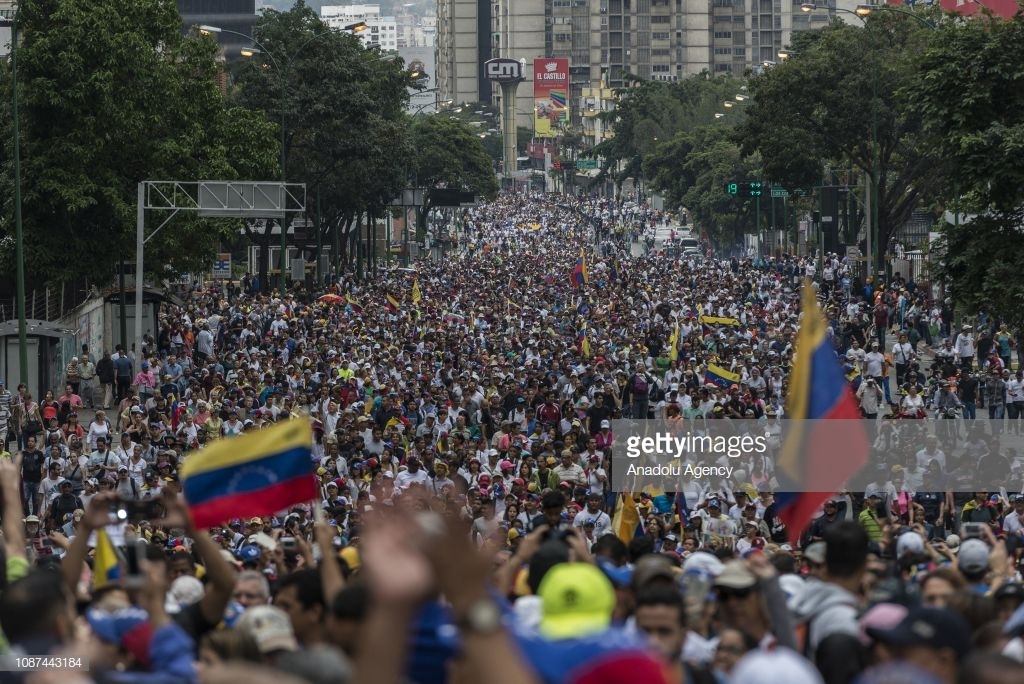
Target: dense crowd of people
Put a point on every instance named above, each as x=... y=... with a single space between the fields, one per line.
x=463 y=413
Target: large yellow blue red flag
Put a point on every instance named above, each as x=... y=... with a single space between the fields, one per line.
x=580 y=277
x=258 y=473
x=106 y=566
x=825 y=441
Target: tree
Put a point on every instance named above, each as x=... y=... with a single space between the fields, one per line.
x=449 y=154
x=651 y=111
x=826 y=105
x=693 y=169
x=342 y=108
x=111 y=93
x=971 y=108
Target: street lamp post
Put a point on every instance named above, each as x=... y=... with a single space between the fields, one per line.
x=873 y=173
x=284 y=74
x=9 y=18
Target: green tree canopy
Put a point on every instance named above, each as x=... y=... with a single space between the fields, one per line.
x=651 y=112
x=342 y=111
x=969 y=99
x=827 y=104
x=111 y=93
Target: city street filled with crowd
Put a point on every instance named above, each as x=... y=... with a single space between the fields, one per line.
x=439 y=441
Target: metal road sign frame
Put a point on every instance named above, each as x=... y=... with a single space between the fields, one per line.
x=238 y=199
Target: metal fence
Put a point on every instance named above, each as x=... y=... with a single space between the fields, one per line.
x=47 y=304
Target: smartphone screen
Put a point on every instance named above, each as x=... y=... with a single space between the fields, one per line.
x=134 y=554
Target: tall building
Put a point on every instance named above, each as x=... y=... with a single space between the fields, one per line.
x=518 y=30
x=380 y=29
x=463 y=45
x=232 y=15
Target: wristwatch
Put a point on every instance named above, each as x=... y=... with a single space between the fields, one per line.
x=482 y=617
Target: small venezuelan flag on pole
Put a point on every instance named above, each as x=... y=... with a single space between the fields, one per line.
x=391 y=304
x=106 y=563
x=580 y=277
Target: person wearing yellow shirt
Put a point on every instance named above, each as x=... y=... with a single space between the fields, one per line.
x=868 y=517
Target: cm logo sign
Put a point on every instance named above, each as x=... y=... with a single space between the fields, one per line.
x=503 y=70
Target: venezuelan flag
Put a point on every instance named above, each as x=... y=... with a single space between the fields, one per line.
x=353 y=304
x=718 y=321
x=626 y=521
x=584 y=341
x=580 y=277
x=817 y=458
x=716 y=375
x=391 y=304
x=673 y=344
x=254 y=474
x=416 y=294
x=106 y=565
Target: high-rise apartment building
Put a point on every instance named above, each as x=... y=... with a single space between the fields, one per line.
x=380 y=30
x=463 y=45
x=518 y=30
x=232 y=15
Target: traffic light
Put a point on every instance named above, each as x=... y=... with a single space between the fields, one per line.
x=752 y=189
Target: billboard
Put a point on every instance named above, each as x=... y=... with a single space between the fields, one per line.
x=421 y=59
x=550 y=96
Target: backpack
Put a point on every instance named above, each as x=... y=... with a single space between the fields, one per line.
x=640 y=385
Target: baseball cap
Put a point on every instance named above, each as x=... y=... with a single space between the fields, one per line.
x=128 y=628
x=619 y=576
x=249 y=554
x=815 y=552
x=973 y=556
x=780 y=665
x=576 y=599
x=270 y=628
x=650 y=568
x=350 y=555
x=736 y=575
x=909 y=542
x=934 y=628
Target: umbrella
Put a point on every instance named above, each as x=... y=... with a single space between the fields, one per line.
x=331 y=298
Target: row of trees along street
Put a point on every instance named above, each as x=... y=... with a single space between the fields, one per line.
x=113 y=92
x=939 y=93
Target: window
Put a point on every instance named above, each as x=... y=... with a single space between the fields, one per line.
x=723 y=34
x=563 y=37
x=723 y=51
x=660 y=68
x=660 y=36
x=739 y=52
x=660 y=52
x=661 y=20
x=722 y=67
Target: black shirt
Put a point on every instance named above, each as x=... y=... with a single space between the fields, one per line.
x=32 y=466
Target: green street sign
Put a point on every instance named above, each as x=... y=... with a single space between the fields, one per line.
x=780 y=192
x=586 y=164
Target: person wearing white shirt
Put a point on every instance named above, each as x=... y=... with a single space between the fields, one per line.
x=964 y=346
x=1014 y=522
x=593 y=514
x=412 y=475
x=874 y=362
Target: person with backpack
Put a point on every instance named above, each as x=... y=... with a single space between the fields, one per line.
x=828 y=606
x=638 y=393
